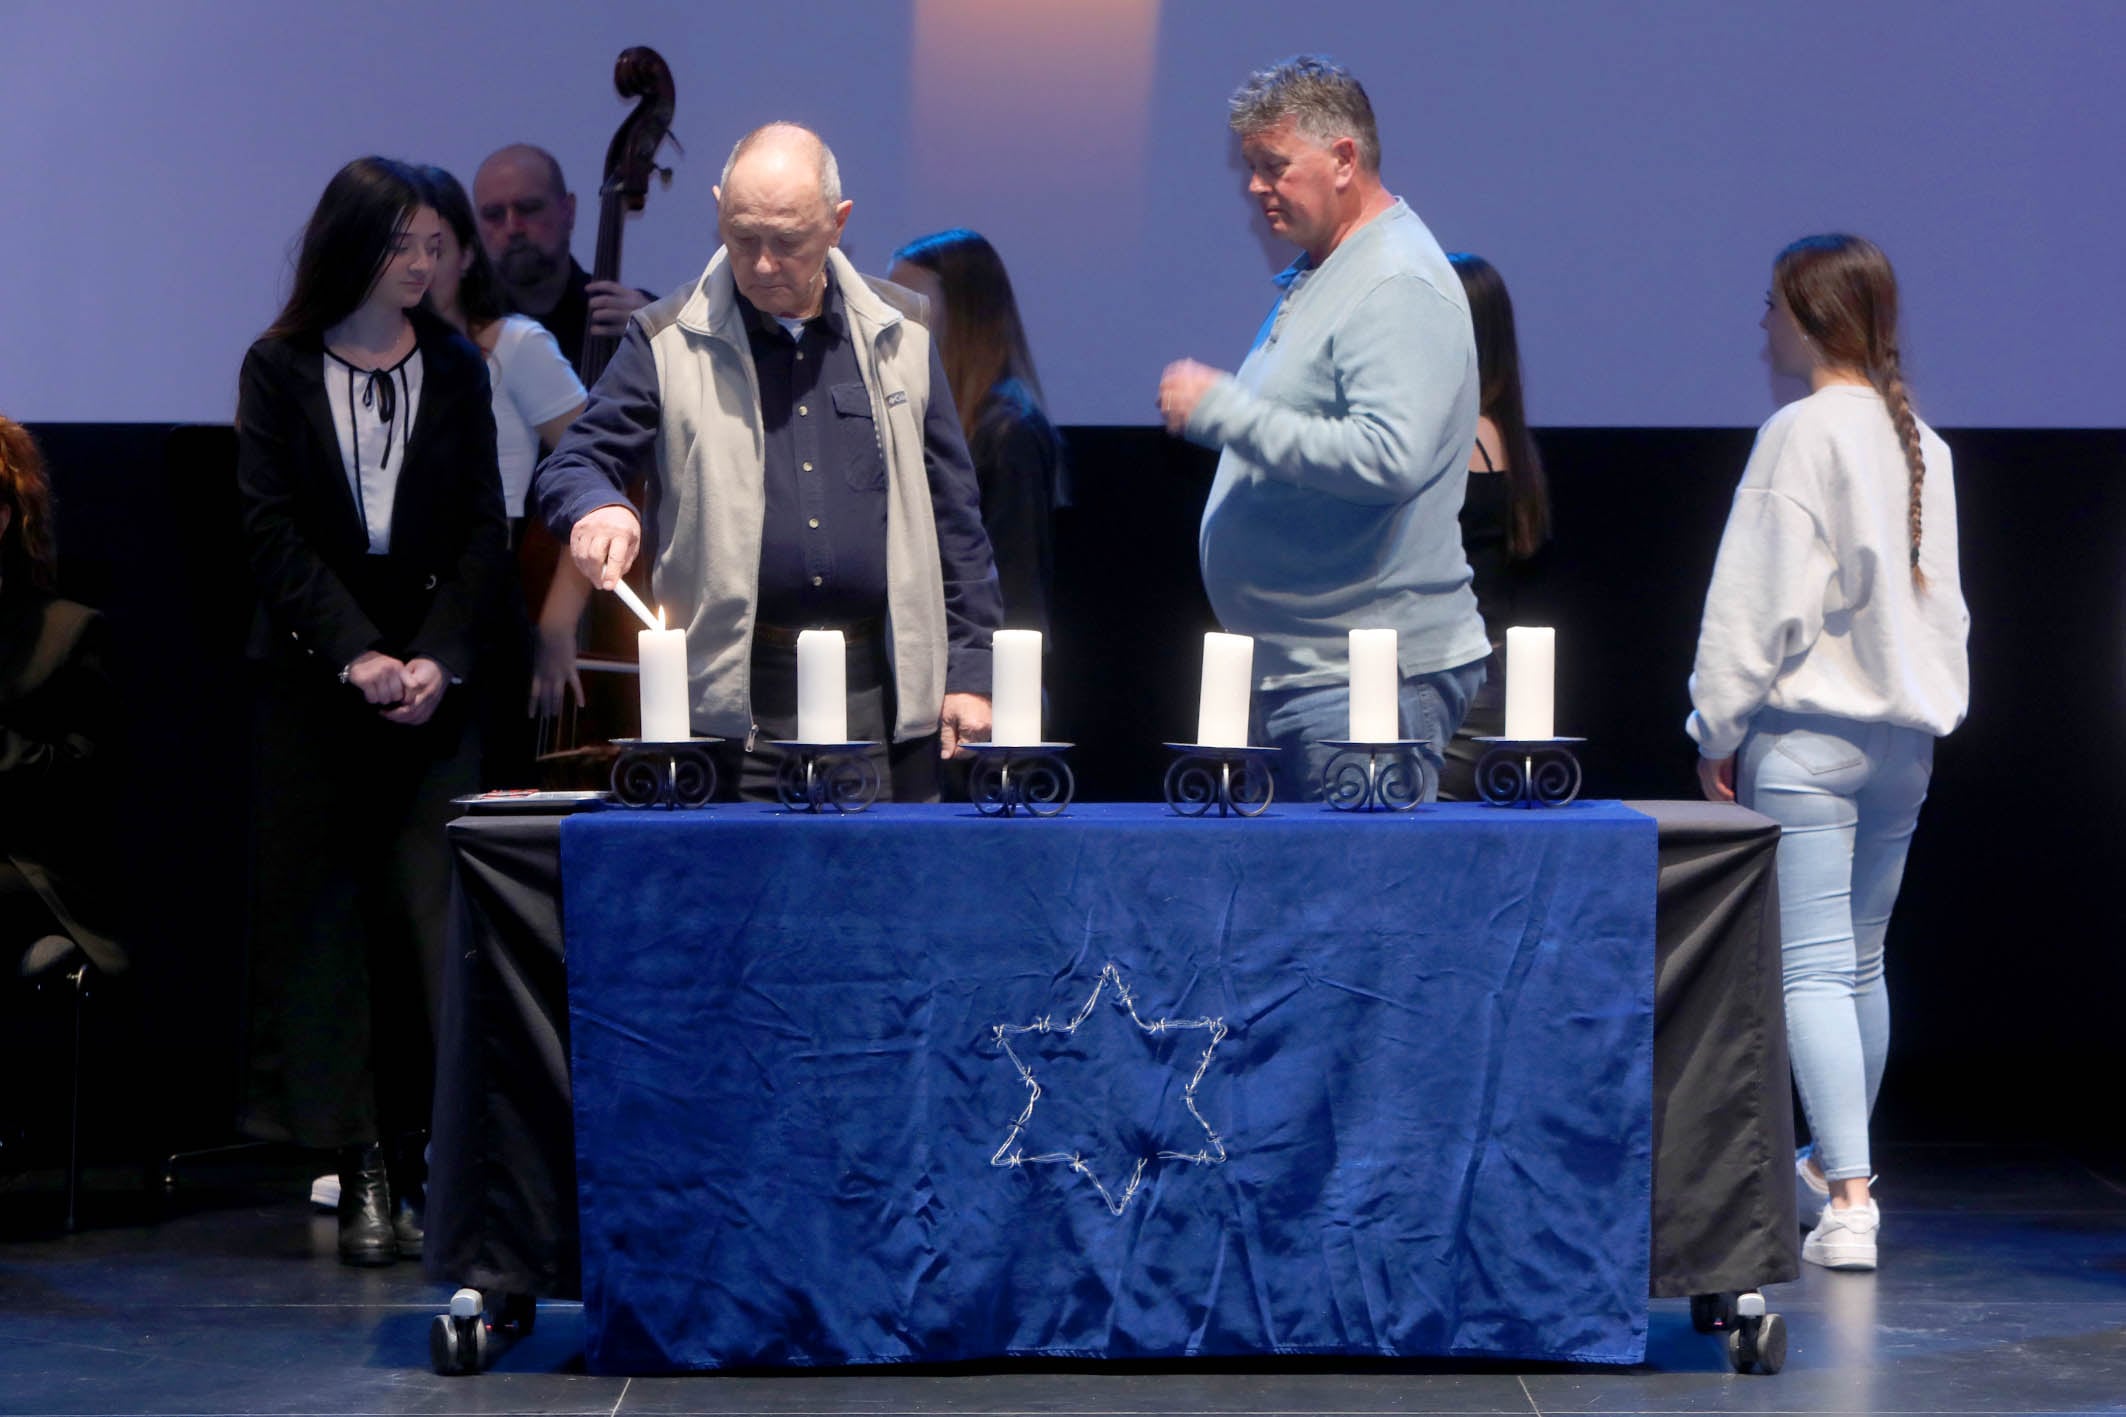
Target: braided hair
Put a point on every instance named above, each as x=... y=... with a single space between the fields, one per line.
x=1843 y=296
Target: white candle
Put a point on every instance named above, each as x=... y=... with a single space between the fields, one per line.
x=822 y=687
x=1015 y=687
x=1375 y=685
x=663 y=664
x=1531 y=682
x=1228 y=684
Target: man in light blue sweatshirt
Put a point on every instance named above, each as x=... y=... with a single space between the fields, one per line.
x=1346 y=436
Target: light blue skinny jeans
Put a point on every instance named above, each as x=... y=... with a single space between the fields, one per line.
x=1846 y=796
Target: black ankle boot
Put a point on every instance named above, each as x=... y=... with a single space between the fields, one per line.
x=366 y=1235
x=409 y=1193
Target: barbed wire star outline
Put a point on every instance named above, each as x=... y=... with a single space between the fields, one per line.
x=1010 y=1154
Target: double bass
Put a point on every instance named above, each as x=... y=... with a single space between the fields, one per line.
x=610 y=707
x=639 y=73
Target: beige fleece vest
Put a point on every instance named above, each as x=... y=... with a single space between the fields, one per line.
x=706 y=520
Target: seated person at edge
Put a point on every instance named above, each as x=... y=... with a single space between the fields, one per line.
x=58 y=725
x=1505 y=514
x=805 y=469
x=1018 y=457
x=1345 y=437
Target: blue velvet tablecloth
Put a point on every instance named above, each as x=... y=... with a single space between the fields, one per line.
x=916 y=1085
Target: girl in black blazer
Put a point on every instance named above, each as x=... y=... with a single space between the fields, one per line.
x=373 y=513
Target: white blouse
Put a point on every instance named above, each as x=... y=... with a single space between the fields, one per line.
x=531 y=384
x=373 y=412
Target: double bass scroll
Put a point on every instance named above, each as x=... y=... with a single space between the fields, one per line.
x=639 y=73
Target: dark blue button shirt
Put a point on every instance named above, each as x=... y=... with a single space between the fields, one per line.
x=823 y=542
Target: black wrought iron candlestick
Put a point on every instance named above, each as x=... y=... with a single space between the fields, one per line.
x=1528 y=772
x=1008 y=778
x=654 y=774
x=1373 y=777
x=1235 y=780
x=826 y=777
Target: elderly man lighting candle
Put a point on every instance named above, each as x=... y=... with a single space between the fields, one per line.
x=1345 y=436
x=807 y=471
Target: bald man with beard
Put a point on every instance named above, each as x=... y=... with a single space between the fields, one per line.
x=806 y=470
x=527 y=218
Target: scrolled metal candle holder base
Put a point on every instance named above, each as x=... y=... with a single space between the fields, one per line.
x=1528 y=772
x=654 y=774
x=1373 y=777
x=826 y=777
x=1235 y=780
x=1008 y=778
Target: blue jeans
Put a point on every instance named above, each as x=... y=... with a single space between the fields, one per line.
x=1846 y=796
x=1297 y=720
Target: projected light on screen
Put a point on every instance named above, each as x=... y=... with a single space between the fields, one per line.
x=1030 y=125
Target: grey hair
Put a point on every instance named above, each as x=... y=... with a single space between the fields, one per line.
x=830 y=171
x=1318 y=95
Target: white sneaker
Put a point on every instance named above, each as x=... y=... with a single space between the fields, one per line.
x=1844 y=1237
x=325 y=1191
x=1811 y=1192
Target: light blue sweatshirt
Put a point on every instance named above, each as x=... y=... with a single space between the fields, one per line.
x=1346 y=438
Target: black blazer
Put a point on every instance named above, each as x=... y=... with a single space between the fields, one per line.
x=58 y=728
x=324 y=600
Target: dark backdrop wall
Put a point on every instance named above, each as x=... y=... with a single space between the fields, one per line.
x=2004 y=957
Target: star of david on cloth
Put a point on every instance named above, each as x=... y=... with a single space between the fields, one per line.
x=1210 y=1151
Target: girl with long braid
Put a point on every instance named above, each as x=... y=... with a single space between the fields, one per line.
x=1830 y=658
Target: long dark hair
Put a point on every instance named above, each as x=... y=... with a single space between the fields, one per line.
x=348 y=243
x=1843 y=296
x=1498 y=364
x=479 y=291
x=26 y=550
x=983 y=341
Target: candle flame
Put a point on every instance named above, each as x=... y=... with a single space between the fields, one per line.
x=660 y=617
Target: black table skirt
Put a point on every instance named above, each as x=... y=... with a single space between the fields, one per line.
x=502 y=1195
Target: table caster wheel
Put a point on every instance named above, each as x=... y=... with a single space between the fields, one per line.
x=457 y=1341
x=1771 y=1345
x=444 y=1351
x=1741 y=1350
x=1757 y=1339
x=1710 y=1312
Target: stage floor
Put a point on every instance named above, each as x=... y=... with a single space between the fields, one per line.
x=2004 y=1291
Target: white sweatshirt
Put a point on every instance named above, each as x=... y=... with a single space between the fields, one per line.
x=1812 y=608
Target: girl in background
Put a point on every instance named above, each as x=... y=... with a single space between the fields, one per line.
x=1018 y=457
x=1505 y=513
x=536 y=395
